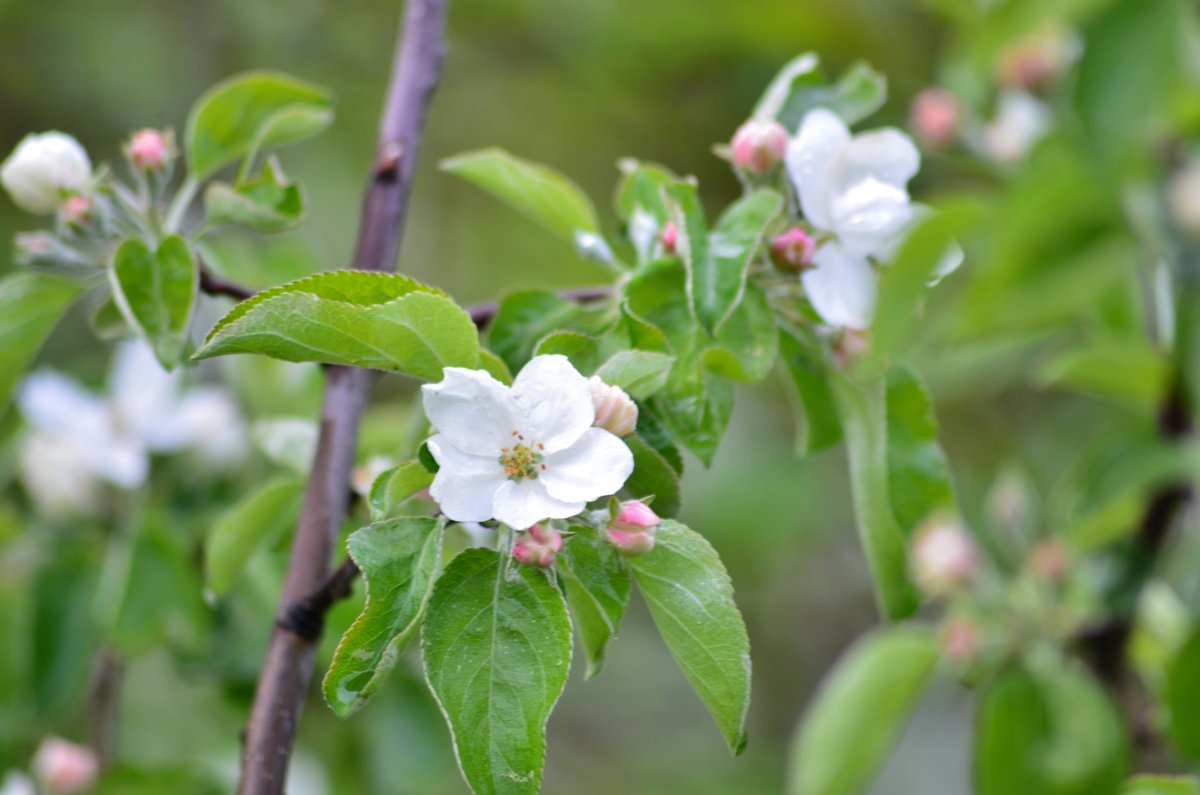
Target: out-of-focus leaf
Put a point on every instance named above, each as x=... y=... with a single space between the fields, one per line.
x=63 y=631
x=858 y=713
x=30 y=306
x=1183 y=690
x=524 y=317
x=496 y=645
x=819 y=426
x=1161 y=785
x=802 y=71
x=395 y=486
x=377 y=320
x=918 y=475
x=156 y=599
x=1128 y=372
x=267 y=203
x=597 y=591
x=399 y=559
x=653 y=475
x=250 y=111
x=581 y=349
x=254 y=523
x=175 y=780
x=639 y=373
x=156 y=291
x=691 y=599
x=799 y=87
x=539 y=192
x=1048 y=732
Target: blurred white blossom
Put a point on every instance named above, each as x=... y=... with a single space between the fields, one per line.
x=1021 y=121
x=43 y=169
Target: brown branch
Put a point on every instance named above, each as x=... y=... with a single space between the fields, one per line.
x=213 y=284
x=287 y=668
x=104 y=701
x=306 y=617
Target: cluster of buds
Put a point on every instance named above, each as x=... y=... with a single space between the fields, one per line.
x=759 y=145
x=537 y=546
x=63 y=768
x=632 y=530
x=793 y=250
x=958 y=639
x=615 y=410
x=945 y=559
x=935 y=117
x=150 y=150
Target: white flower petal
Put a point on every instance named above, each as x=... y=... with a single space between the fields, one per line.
x=870 y=218
x=465 y=484
x=595 y=466
x=821 y=136
x=55 y=477
x=143 y=393
x=521 y=503
x=841 y=288
x=121 y=461
x=206 y=420
x=555 y=402
x=58 y=404
x=472 y=410
x=886 y=155
x=1021 y=121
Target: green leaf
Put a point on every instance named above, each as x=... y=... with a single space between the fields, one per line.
x=747 y=345
x=495 y=366
x=799 y=87
x=1048 y=732
x=1130 y=372
x=801 y=71
x=653 y=475
x=695 y=407
x=399 y=560
x=639 y=197
x=254 y=523
x=643 y=335
x=597 y=591
x=814 y=403
x=858 y=93
x=395 y=486
x=250 y=111
x=267 y=203
x=1183 y=690
x=524 y=318
x=156 y=291
x=359 y=318
x=918 y=475
x=496 y=644
x=639 y=373
x=863 y=413
x=30 y=306
x=691 y=599
x=651 y=430
x=1161 y=785
x=107 y=321
x=859 y=711
x=581 y=349
x=539 y=192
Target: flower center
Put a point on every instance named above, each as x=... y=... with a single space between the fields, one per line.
x=522 y=461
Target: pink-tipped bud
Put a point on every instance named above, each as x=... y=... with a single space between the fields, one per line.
x=934 y=117
x=793 y=250
x=63 y=768
x=670 y=237
x=1050 y=561
x=76 y=210
x=632 y=531
x=944 y=556
x=149 y=149
x=758 y=145
x=537 y=546
x=958 y=640
x=615 y=410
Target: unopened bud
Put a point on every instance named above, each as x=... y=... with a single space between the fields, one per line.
x=149 y=149
x=43 y=169
x=958 y=639
x=944 y=556
x=934 y=117
x=44 y=248
x=76 y=210
x=1039 y=58
x=670 y=237
x=792 y=250
x=537 y=546
x=1183 y=199
x=1049 y=560
x=758 y=145
x=615 y=410
x=63 y=768
x=632 y=531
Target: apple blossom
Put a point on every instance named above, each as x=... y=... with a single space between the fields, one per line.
x=537 y=546
x=1021 y=121
x=944 y=556
x=632 y=530
x=792 y=250
x=64 y=768
x=934 y=116
x=43 y=169
x=758 y=145
x=615 y=410
x=149 y=149
x=523 y=453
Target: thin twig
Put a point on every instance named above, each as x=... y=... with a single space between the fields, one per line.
x=104 y=701
x=306 y=617
x=287 y=668
x=213 y=284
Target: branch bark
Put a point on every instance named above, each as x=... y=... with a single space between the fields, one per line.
x=104 y=701
x=287 y=668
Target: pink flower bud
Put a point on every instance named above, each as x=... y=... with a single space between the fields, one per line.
x=76 y=210
x=63 y=767
x=670 y=236
x=632 y=531
x=1050 y=561
x=758 y=145
x=537 y=546
x=959 y=640
x=149 y=149
x=793 y=250
x=944 y=556
x=615 y=410
x=934 y=117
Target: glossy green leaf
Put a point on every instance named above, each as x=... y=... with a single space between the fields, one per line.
x=1161 y=785
x=156 y=291
x=651 y=430
x=918 y=475
x=801 y=71
x=642 y=205
x=1050 y=732
x=581 y=349
x=399 y=559
x=863 y=413
x=250 y=111
x=819 y=426
x=859 y=711
x=639 y=373
x=395 y=486
x=30 y=305
x=696 y=408
x=643 y=334
x=799 y=87
x=691 y=599
x=266 y=203
x=597 y=585
x=654 y=476
x=377 y=320
x=495 y=366
x=539 y=192
x=254 y=523
x=523 y=318
x=496 y=645
x=1129 y=372
x=747 y=345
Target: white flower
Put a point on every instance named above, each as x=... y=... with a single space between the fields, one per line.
x=42 y=168
x=89 y=438
x=1021 y=121
x=853 y=192
x=524 y=453
x=16 y=783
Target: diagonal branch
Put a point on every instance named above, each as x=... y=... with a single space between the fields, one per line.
x=287 y=668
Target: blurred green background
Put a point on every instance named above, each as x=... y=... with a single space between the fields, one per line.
x=576 y=84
